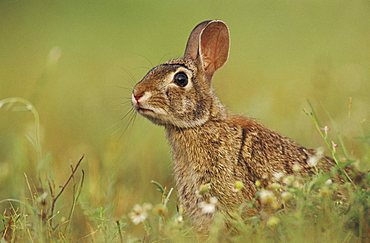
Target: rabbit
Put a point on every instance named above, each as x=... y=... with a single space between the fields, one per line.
x=211 y=146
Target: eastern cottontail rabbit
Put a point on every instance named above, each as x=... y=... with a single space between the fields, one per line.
x=209 y=145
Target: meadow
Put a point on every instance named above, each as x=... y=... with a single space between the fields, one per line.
x=76 y=165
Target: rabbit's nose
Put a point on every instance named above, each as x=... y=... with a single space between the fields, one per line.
x=136 y=96
x=140 y=97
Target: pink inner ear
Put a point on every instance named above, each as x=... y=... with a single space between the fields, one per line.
x=214 y=46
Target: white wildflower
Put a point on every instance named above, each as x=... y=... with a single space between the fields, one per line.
x=179 y=219
x=313 y=160
x=328 y=182
x=139 y=213
x=278 y=175
x=208 y=207
x=267 y=197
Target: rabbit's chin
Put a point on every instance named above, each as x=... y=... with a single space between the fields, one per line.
x=168 y=121
x=160 y=117
x=156 y=118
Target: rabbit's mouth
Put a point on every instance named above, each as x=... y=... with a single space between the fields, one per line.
x=144 y=110
x=153 y=114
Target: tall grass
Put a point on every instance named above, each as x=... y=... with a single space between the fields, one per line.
x=290 y=209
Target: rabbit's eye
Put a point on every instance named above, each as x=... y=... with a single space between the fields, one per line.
x=181 y=79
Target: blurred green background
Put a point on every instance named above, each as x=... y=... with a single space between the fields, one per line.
x=77 y=61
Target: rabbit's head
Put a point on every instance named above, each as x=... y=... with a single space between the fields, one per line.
x=179 y=92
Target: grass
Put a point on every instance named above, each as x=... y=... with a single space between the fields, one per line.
x=73 y=65
x=292 y=208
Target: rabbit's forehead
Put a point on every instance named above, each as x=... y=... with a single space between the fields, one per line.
x=164 y=73
x=186 y=63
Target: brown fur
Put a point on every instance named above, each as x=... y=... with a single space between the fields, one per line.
x=208 y=144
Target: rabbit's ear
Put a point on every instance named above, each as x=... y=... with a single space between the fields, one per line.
x=192 y=47
x=209 y=41
x=214 y=46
